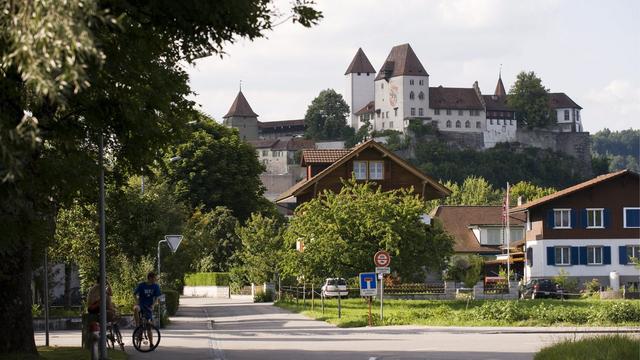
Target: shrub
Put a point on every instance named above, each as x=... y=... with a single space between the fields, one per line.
x=172 y=300
x=207 y=279
x=266 y=296
x=609 y=347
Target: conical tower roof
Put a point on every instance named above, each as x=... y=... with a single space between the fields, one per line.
x=401 y=61
x=500 y=87
x=360 y=64
x=240 y=107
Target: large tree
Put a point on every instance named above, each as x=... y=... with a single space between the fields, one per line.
x=73 y=69
x=530 y=100
x=326 y=117
x=263 y=248
x=342 y=231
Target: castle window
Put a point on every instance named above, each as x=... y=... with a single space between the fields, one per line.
x=458 y=124
x=390 y=124
x=498 y=121
x=421 y=82
x=412 y=95
x=383 y=124
x=421 y=95
x=410 y=82
x=386 y=114
x=420 y=112
x=448 y=123
x=358 y=74
x=413 y=111
x=566 y=115
x=436 y=111
x=510 y=122
x=467 y=124
x=395 y=112
x=490 y=121
x=448 y=111
x=434 y=123
x=460 y=112
x=381 y=85
x=478 y=124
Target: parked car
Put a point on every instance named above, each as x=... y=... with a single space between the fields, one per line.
x=334 y=287
x=538 y=288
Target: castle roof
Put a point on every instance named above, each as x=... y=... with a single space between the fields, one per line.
x=454 y=98
x=240 y=107
x=561 y=100
x=499 y=88
x=360 y=64
x=367 y=109
x=496 y=103
x=401 y=61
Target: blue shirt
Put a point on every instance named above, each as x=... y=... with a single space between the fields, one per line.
x=147 y=293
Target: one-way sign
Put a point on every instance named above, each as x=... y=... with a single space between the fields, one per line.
x=368 y=284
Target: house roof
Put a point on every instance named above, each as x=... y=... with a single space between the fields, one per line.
x=401 y=61
x=298 y=188
x=323 y=156
x=360 y=64
x=570 y=190
x=240 y=107
x=263 y=144
x=500 y=88
x=454 y=98
x=295 y=144
x=498 y=103
x=457 y=221
x=561 y=100
x=367 y=109
x=280 y=123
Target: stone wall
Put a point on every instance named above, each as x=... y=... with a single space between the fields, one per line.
x=463 y=140
x=576 y=144
x=207 y=291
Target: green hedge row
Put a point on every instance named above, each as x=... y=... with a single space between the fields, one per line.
x=207 y=279
x=172 y=299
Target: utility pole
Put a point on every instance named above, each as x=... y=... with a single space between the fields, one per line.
x=103 y=260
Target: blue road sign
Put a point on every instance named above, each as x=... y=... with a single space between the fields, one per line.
x=368 y=284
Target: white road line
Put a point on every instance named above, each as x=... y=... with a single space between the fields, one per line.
x=214 y=349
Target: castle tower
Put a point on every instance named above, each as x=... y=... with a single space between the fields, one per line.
x=242 y=117
x=500 y=87
x=401 y=90
x=360 y=74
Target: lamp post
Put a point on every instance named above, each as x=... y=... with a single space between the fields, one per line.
x=103 y=292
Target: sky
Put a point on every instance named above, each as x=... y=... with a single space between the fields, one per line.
x=589 y=50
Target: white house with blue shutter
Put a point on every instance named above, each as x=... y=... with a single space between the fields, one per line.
x=590 y=230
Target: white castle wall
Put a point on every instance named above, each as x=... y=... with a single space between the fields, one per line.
x=358 y=94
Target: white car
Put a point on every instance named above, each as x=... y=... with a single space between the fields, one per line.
x=335 y=287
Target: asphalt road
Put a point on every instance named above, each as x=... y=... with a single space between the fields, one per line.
x=236 y=329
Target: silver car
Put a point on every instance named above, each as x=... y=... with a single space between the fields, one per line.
x=334 y=287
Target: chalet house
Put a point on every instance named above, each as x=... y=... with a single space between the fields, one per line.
x=370 y=161
x=590 y=230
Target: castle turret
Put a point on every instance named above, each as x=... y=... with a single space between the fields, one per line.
x=500 y=87
x=242 y=117
x=359 y=92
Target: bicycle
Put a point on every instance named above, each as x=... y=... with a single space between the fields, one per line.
x=146 y=336
x=114 y=336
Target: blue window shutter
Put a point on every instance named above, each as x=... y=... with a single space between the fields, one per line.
x=606 y=255
x=551 y=255
x=583 y=255
x=574 y=255
x=550 y=219
x=622 y=251
x=574 y=220
x=583 y=219
x=606 y=219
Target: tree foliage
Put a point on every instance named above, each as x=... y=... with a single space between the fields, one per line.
x=473 y=191
x=621 y=148
x=341 y=232
x=528 y=191
x=326 y=117
x=530 y=100
x=466 y=269
x=263 y=248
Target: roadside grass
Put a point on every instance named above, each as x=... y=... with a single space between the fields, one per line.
x=475 y=312
x=63 y=353
x=609 y=347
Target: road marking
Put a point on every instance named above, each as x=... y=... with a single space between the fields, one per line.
x=214 y=348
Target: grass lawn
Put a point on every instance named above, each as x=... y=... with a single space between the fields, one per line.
x=63 y=353
x=476 y=312
x=610 y=347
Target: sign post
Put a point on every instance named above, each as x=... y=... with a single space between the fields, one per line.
x=368 y=287
x=382 y=259
x=173 y=241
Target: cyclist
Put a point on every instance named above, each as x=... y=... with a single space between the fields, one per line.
x=147 y=293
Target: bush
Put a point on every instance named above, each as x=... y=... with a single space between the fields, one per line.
x=266 y=296
x=172 y=300
x=609 y=347
x=207 y=279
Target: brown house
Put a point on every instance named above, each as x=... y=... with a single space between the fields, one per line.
x=591 y=230
x=369 y=161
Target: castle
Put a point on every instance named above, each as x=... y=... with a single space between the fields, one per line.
x=400 y=92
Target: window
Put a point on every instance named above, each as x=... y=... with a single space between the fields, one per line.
x=562 y=255
x=412 y=96
x=421 y=82
x=510 y=122
x=448 y=111
x=413 y=111
x=631 y=217
x=395 y=112
x=474 y=112
x=420 y=112
x=434 y=123
x=378 y=115
x=265 y=152
x=494 y=237
x=458 y=124
x=383 y=124
x=490 y=121
x=448 y=123
x=516 y=234
x=436 y=111
x=633 y=254
x=421 y=95
x=360 y=170
x=562 y=218
x=594 y=255
x=498 y=121
x=595 y=218
x=478 y=124
x=410 y=82
x=376 y=170
x=467 y=124
x=386 y=114
x=566 y=115
x=381 y=85
x=460 y=112
x=390 y=124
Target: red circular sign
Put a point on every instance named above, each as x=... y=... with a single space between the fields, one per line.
x=382 y=259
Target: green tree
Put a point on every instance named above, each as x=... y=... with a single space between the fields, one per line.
x=473 y=191
x=621 y=148
x=341 y=231
x=263 y=248
x=466 y=269
x=528 y=192
x=530 y=100
x=326 y=117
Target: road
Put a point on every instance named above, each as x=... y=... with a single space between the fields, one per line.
x=236 y=329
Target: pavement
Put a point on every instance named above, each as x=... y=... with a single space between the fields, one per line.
x=237 y=329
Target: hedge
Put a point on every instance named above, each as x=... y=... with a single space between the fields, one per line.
x=207 y=279
x=172 y=299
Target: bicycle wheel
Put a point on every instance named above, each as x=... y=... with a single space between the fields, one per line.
x=146 y=338
x=118 y=336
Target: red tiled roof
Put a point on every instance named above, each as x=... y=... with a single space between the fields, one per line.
x=561 y=100
x=496 y=103
x=262 y=144
x=401 y=61
x=240 y=107
x=360 y=64
x=572 y=189
x=499 y=88
x=367 y=109
x=323 y=156
x=454 y=98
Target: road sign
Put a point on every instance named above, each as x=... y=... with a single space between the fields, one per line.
x=383 y=270
x=173 y=241
x=368 y=284
x=382 y=259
